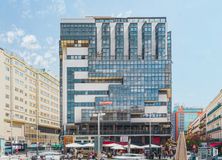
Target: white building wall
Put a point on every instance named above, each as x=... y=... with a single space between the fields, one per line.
x=78 y=114
x=64 y=87
x=112 y=38
x=99 y=38
x=154 y=38
x=21 y=103
x=77 y=51
x=126 y=39
x=140 y=25
x=154 y=109
x=81 y=75
x=76 y=63
x=87 y=98
x=92 y=86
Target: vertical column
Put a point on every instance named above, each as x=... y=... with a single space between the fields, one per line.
x=166 y=40
x=154 y=39
x=126 y=39
x=64 y=88
x=112 y=40
x=99 y=38
x=139 y=41
x=11 y=78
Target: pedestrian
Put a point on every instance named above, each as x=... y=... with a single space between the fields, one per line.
x=16 y=151
x=80 y=156
x=159 y=155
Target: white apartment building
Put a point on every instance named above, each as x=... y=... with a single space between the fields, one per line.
x=29 y=102
x=214 y=120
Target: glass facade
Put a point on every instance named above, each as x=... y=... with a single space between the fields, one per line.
x=136 y=80
x=182 y=119
x=119 y=36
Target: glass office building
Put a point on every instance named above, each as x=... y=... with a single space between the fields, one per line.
x=118 y=66
x=182 y=117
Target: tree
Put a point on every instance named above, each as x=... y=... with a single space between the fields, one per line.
x=193 y=142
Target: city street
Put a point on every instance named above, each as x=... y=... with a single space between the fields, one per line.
x=119 y=79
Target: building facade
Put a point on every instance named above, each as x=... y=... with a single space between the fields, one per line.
x=29 y=102
x=194 y=127
x=203 y=127
x=118 y=66
x=198 y=127
x=214 y=120
x=182 y=119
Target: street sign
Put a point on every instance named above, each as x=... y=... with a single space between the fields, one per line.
x=103 y=103
x=214 y=152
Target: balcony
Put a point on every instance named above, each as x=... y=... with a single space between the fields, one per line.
x=214 y=130
x=123 y=132
x=202 y=125
x=214 y=109
x=214 y=119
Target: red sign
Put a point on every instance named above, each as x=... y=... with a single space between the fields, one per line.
x=105 y=103
x=156 y=140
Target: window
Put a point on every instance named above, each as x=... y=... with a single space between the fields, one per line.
x=7 y=68
x=6 y=86
x=7 y=96
x=7 y=105
x=7 y=78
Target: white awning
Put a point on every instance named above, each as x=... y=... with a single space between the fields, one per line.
x=152 y=146
x=118 y=147
x=74 y=145
x=133 y=146
x=88 y=145
x=110 y=145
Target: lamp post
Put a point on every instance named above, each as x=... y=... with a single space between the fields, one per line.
x=150 y=130
x=150 y=138
x=99 y=114
x=11 y=125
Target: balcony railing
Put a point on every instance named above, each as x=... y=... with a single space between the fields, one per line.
x=214 y=109
x=121 y=132
x=214 y=130
x=214 y=119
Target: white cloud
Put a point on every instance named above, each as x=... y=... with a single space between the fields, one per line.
x=57 y=7
x=27 y=46
x=30 y=42
x=46 y=57
x=11 y=36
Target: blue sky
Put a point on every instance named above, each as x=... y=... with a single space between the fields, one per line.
x=30 y=28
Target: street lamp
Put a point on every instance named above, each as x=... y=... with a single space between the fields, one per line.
x=99 y=114
x=11 y=125
x=148 y=115
x=150 y=130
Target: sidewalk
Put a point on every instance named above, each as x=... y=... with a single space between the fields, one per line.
x=15 y=157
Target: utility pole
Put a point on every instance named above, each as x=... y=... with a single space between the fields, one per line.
x=98 y=139
x=150 y=133
x=98 y=114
